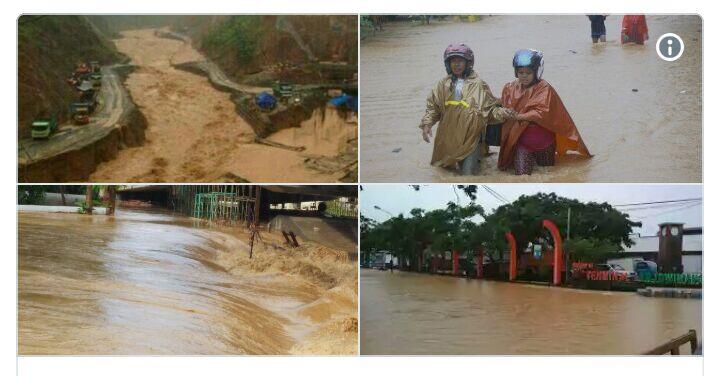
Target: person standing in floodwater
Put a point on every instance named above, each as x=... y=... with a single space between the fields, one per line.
x=597 y=27
x=540 y=127
x=634 y=29
x=463 y=105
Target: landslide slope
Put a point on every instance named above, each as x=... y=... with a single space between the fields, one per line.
x=48 y=49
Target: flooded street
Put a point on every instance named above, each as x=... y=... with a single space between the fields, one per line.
x=639 y=115
x=194 y=132
x=145 y=282
x=410 y=313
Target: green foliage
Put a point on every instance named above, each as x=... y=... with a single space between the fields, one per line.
x=591 y=250
x=31 y=194
x=238 y=35
x=599 y=223
x=598 y=230
x=450 y=228
x=83 y=208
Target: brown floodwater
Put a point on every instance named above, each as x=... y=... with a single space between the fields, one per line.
x=410 y=313
x=194 y=132
x=653 y=134
x=146 y=282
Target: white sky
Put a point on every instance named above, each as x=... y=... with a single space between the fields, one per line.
x=401 y=198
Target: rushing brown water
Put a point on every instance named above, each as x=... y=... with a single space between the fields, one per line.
x=653 y=134
x=153 y=283
x=194 y=133
x=410 y=313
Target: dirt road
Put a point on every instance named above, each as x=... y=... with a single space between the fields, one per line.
x=641 y=116
x=194 y=133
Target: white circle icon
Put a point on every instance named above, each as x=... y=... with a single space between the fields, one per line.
x=669 y=47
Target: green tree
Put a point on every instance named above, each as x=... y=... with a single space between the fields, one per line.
x=604 y=229
x=598 y=230
x=31 y=194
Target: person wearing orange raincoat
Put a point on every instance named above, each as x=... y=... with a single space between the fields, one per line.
x=463 y=105
x=540 y=127
x=634 y=29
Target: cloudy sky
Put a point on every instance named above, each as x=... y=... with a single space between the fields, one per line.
x=401 y=198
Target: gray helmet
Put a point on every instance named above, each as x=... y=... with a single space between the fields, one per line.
x=531 y=59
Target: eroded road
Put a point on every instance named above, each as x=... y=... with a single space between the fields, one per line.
x=114 y=104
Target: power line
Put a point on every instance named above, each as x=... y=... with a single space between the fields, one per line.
x=660 y=202
x=498 y=193
x=497 y=196
x=655 y=206
x=672 y=211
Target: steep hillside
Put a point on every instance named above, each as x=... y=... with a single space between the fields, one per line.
x=48 y=49
x=244 y=45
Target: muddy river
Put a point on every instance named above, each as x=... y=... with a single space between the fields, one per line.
x=639 y=115
x=410 y=313
x=153 y=283
x=194 y=133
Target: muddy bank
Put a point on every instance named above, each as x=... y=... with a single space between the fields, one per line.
x=639 y=115
x=148 y=282
x=194 y=131
x=263 y=124
x=77 y=163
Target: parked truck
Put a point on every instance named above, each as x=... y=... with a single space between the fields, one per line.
x=44 y=127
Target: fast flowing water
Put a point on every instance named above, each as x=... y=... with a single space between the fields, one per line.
x=410 y=313
x=151 y=283
x=639 y=115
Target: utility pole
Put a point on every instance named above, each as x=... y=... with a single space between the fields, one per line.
x=567 y=254
x=567 y=236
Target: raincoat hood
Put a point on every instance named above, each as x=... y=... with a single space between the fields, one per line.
x=461 y=121
x=544 y=105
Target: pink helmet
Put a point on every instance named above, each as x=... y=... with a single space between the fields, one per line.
x=462 y=51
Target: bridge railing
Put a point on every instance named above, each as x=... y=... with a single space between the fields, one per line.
x=673 y=346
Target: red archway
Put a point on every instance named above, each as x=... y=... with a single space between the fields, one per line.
x=513 y=255
x=557 y=252
x=557 y=255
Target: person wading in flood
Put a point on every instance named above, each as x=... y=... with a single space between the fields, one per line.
x=540 y=127
x=463 y=105
x=597 y=27
x=634 y=29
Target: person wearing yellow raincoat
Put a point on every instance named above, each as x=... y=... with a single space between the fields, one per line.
x=463 y=105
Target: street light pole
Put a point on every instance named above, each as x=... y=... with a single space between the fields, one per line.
x=383 y=210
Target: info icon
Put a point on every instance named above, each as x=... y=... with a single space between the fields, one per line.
x=670 y=47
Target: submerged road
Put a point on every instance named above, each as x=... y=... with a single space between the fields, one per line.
x=639 y=115
x=411 y=313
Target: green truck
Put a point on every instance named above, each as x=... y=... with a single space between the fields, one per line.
x=42 y=128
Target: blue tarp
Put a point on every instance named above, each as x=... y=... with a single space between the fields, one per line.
x=345 y=99
x=265 y=101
